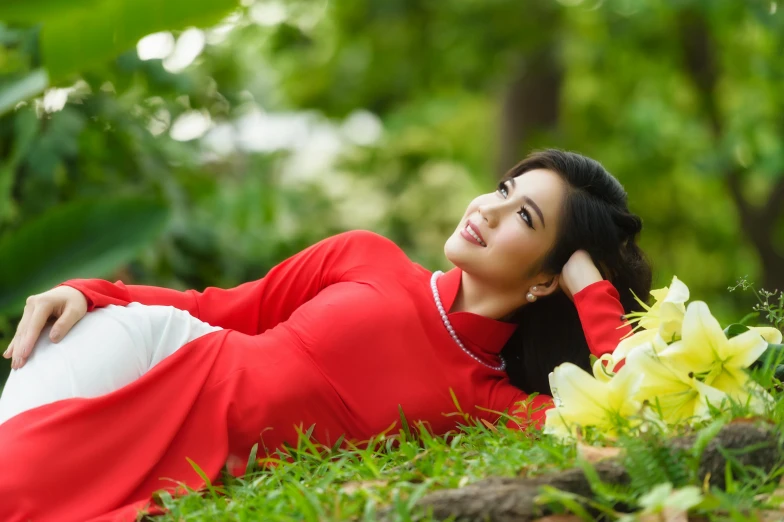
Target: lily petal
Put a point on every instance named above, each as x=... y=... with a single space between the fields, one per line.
x=671 y=320
x=669 y=392
x=770 y=334
x=675 y=407
x=578 y=390
x=554 y=424
x=743 y=349
x=625 y=346
x=660 y=294
x=602 y=368
x=688 y=357
x=658 y=378
x=732 y=383
x=740 y=387
x=702 y=335
x=624 y=388
x=678 y=292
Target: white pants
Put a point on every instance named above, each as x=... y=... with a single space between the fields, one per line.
x=106 y=350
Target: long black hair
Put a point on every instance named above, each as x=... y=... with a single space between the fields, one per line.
x=595 y=217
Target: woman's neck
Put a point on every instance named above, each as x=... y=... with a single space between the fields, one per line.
x=481 y=299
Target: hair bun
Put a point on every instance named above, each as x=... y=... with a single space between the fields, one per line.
x=629 y=224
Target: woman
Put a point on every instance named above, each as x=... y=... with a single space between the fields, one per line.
x=339 y=337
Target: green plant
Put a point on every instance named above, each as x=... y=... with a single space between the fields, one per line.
x=770 y=304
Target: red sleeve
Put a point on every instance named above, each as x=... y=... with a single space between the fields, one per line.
x=253 y=307
x=601 y=315
x=529 y=412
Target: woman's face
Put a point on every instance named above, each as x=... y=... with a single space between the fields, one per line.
x=516 y=226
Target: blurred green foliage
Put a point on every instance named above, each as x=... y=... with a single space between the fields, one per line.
x=313 y=117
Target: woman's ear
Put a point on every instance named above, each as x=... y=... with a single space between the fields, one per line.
x=547 y=287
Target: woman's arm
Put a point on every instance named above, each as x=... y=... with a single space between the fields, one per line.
x=597 y=301
x=250 y=308
x=601 y=316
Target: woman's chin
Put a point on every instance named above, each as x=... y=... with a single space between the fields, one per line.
x=453 y=250
x=458 y=252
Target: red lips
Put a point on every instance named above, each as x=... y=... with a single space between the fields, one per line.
x=476 y=231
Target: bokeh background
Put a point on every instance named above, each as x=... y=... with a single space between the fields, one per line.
x=195 y=143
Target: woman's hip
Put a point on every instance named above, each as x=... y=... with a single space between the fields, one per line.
x=108 y=349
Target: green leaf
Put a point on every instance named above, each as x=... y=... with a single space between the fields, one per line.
x=251 y=465
x=22 y=88
x=113 y=26
x=88 y=238
x=406 y=431
x=704 y=437
x=735 y=329
x=570 y=501
x=773 y=355
x=204 y=477
x=772 y=360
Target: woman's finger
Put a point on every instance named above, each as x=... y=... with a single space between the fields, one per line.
x=9 y=350
x=19 y=334
x=63 y=325
x=40 y=315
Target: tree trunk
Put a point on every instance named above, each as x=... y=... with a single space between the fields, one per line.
x=757 y=223
x=530 y=102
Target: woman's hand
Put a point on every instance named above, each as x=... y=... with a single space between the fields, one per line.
x=578 y=272
x=65 y=303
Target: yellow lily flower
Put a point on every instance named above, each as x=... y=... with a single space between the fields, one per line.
x=582 y=400
x=670 y=391
x=705 y=350
x=667 y=312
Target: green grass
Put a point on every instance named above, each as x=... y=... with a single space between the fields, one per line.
x=393 y=472
x=322 y=484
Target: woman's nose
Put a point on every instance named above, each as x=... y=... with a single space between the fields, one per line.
x=490 y=213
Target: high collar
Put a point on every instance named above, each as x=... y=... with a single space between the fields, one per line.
x=480 y=334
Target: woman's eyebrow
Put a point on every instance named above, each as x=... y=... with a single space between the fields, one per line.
x=530 y=202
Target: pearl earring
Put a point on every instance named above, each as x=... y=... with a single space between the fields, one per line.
x=531 y=297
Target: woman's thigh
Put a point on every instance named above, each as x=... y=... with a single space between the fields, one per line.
x=108 y=349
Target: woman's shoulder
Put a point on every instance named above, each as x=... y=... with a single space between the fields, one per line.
x=365 y=240
x=364 y=236
x=364 y=247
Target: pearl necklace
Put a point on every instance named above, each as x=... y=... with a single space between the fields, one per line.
x=451 y=330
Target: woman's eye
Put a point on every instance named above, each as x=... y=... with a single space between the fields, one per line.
x=526 y=217
x=523 y=212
